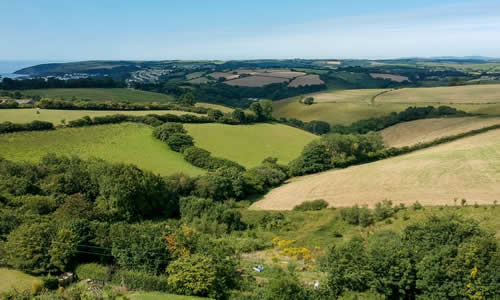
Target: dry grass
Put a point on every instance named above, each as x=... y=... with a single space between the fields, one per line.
x=306 y=80
x=420 y=131
x=255 y=81
x=222 y=108
x=468 y=168
x=487 y=93
x=397 y=78
x=364 y=95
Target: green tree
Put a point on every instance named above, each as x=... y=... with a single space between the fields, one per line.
x=63 y=249
x=192 y=275
x=238 y=115
x=187 y=99
x=163 y=132
x=308 y=101
x=179 y=141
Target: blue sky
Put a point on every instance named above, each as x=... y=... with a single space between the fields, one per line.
x=81 y=30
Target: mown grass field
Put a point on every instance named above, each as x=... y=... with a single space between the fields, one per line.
x=419 y=131
x=347 y=106
x=12 y=279
x=120 y=143
x=474 y=94
x=55 y=116
x=102 y=94
x=468 y=168
x=250 y=144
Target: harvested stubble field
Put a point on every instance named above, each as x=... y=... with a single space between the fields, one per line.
x=255 y=81
x=282 y=74
x=227 y=76
x=250 y=144
x=55 y=116
x=361 y=95
x=396 y=78
x=306 y=80
x=473 y=94
x=468 y=168
x=102 y=95
x=420 y=131
x=120 y=143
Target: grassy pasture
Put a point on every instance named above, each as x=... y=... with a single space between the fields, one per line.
x=467 y=168
x=250 y=144
x=419 y=131
x=102 y=95
x=474 y=94
x=10 y=279
x=356 y=96
x=55 y=115
x=222 y=108
x=119 y=143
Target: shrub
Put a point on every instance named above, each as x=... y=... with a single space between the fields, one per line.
x=298 y=253
x=7 y=127
x=357 y=216
x=92 y=271
x=192 y=275
x=141 y=280
x=179 y=141
x=311 y=205
x=163 y=132
x=50 y=282
x=36 y=286
x=383 y=210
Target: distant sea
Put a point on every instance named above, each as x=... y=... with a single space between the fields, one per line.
x=8 y=67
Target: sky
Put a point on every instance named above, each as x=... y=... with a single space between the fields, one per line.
x=52 y=30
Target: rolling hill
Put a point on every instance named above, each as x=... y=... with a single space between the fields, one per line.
x=467 y=168
x=102 y=94
x=55 y=116
x=427 y=130
x=120 y=143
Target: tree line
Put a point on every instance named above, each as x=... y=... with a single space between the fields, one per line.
x=52 y=83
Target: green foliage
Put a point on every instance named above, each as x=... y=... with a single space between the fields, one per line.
x=8 y=127
x=141 y=280
x=140 y=246
x=311 y=205
x=187 y=99
x=203 y=159
x=35 y=204
x=63 y=249
x=193 y=208
x=335 y=150
x=357 y=216
x=50 y=282
x=223 y=184
x=265 y=176
x=128 y=193
x=439 y=258
x=192 y=275
x=75 y=207
x=284 y=287
x=178 y=142
x=27 y=247
x=92 y=271
x=308 y=101
x=163 y=132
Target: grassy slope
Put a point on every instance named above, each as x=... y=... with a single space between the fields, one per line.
x=347 y=106
x=468 y=168
x=410 y=133
x=10 y=279
x=106 y=94
x=128 y=143
x=250 y=144
x=487 y=93
x=55 y=116
x=158 y=296
x=222 y=108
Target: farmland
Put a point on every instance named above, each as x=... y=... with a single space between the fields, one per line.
x=347 y=106
x=250 y=144
x=306 y=80
x=420 y=131
x=469 y=94
x=392 y=77
x=467 y=168
x=255 y=81
x=55 y=116
x=102 y=95
x=222 y=108
x=123 y=143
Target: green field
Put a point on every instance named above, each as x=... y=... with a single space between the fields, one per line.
x=55 y=116
x=103 y=94
x=347 y=106
x=159 y=296
x=250 y=144
x=120 y=143
x=10 y=279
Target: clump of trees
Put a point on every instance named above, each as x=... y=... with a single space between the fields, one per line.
x=52 y=83
x=316 y=127
x=311 y=205
x=308 y=101
x=7 y=127
x=410 y=114
x=443 y=257
x=335 y=150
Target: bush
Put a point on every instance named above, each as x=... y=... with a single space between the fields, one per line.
x=141 y=280
x=192 y=275
x=92 y=271
x=179 y=141
x=8 y=127
x=50 y=282
x=36 y=286
x=357 y=216
x=312 y=205
x=163 y=132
